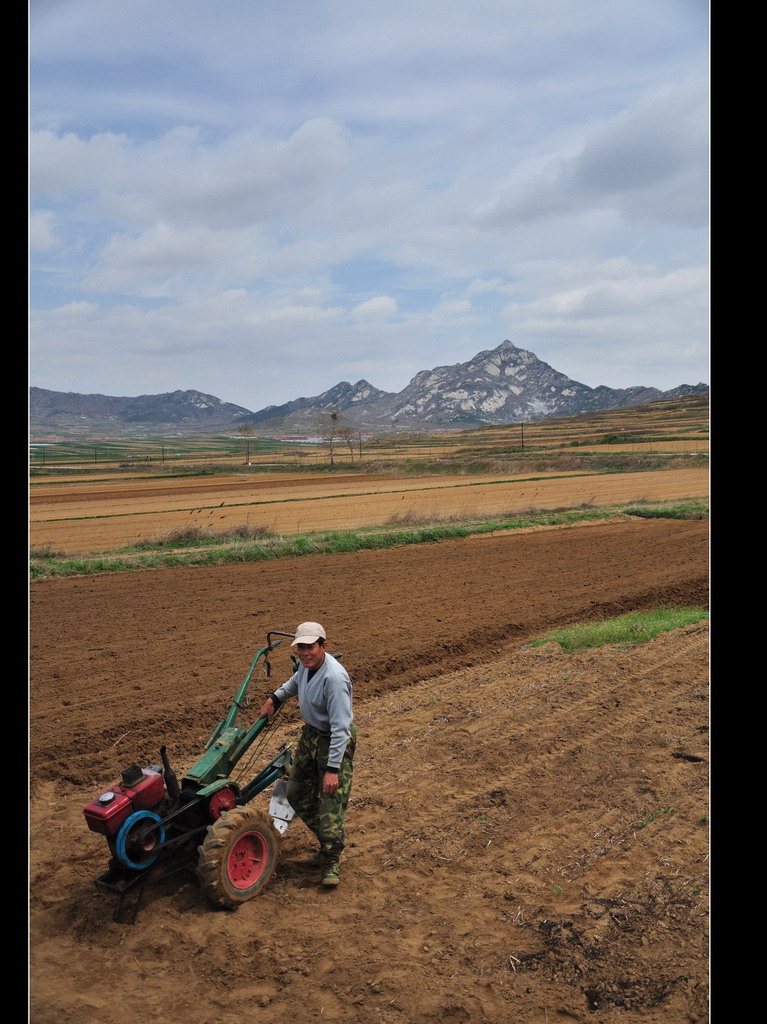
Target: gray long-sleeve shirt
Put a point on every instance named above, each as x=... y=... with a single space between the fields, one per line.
x=325 y=702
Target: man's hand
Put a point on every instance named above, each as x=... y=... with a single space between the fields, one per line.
x=267 y=709
x=329 y=783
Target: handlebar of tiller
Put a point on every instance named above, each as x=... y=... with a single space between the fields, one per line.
x=275 y=632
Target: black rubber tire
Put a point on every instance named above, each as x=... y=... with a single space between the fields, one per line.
x=238 y=857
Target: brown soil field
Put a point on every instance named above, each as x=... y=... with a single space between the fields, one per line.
x=100 y=516
x=527 y=833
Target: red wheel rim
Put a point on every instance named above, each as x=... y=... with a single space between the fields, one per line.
x=247 y=860
x=223 y=800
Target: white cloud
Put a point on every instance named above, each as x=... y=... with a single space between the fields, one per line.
x=376 y=190
x=454 y=307
x=159 y=261
x=42 y=231
x=63 y=164
x=648 y=163
x=618 y=323
x=378 y=308
x=76 y=310
x=624 y=298
x=227 y=183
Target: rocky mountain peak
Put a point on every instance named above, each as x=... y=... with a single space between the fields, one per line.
x=503 y=385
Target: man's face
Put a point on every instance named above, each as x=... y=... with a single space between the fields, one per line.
x=311 y=655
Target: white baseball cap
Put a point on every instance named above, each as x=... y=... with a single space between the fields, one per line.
x=309 y=633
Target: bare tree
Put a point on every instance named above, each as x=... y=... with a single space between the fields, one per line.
x=246 y=433
x=328 y=425
x=348 y=434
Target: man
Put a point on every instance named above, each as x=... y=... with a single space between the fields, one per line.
x=321 y=774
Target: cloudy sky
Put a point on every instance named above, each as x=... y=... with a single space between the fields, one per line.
x=258 y=199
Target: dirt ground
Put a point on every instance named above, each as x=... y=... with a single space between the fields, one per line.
x=527 y=834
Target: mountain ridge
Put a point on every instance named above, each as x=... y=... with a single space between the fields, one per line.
x=506 y=384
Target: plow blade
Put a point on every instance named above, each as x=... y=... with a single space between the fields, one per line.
x=280 y=810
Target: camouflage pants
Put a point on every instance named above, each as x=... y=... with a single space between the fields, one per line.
x=324 y=815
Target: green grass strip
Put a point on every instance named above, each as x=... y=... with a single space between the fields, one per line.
x=625 y=631
x=688 y=510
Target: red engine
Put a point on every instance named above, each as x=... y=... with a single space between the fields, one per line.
x=139 y=791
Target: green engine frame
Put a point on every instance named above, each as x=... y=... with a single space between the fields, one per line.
x=229 y=742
